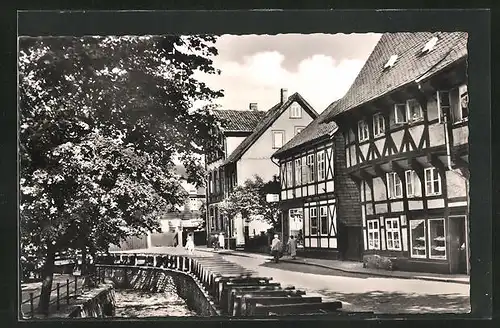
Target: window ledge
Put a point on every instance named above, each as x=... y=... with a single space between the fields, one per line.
x=418 y=256
x=461 y=121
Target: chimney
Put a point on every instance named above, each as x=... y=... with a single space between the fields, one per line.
x=284 y=95
x=253 y=106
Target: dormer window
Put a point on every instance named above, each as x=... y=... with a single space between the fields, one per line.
x=429 y=46
x=391 y=61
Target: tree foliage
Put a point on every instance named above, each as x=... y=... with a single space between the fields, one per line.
x=102 y=120
x=250 y=201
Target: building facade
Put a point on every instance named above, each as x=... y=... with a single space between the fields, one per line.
x=404 y=124
x=248 y=140
x=319 y=200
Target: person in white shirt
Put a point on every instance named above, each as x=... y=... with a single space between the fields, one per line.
x=276 y=248
x=221 y=240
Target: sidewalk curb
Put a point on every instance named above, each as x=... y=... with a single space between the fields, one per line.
x=377 y=274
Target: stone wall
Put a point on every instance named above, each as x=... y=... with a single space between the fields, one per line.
x=98 y=303
x=158 y=280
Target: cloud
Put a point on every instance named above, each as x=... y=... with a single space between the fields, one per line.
x=320 y=79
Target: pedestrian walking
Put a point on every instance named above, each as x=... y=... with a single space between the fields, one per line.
x=216 y=242
x=292 y=246
x=276 y=248
x=190 y=244
x=221 y=240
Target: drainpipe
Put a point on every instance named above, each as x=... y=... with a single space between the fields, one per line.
x=448 y=157
x=447 y=142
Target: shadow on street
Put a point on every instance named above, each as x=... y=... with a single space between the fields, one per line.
x=396 y=302
x=306 y=268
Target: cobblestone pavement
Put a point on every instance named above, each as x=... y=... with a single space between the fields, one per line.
x=362 y=292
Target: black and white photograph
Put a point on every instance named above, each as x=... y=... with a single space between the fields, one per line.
x=243 y=175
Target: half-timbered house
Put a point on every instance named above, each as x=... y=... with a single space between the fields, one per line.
x=404 y=122
x=248 y=140
x=319 y=201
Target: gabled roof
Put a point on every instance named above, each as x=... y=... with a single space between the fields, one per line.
x=412 y=65
x=239 y=120
x=317 y=129
x=272 y=115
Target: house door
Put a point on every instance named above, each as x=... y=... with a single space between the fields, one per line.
x=458 y=244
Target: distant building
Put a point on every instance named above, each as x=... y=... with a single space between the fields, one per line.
x=249 y=139
x=319 y=201
x=404 y=123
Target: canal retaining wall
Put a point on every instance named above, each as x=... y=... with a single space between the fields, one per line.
x=158 y=280
x=97 y=303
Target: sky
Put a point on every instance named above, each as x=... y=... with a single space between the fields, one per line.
x=321 y=67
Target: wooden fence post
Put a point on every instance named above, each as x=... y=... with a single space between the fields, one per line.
x=32 y=307
x=76 y=285
x=58 y=291
x=67 y=291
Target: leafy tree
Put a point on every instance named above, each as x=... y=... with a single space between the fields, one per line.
x=250 y=201
x=101 y=121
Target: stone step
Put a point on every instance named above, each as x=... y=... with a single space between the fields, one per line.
x=300 y=308
x=243 y=304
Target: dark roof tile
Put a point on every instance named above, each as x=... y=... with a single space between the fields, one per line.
x=239 y=120
x=373 y=81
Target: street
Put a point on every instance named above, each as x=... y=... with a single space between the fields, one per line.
x=363 y=293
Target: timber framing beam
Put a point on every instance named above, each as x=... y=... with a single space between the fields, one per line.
x=435 y=161
x=398 y=169
x=418 y=168
x=460 y=162
x=378 y=170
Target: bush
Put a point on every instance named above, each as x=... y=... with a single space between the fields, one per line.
x=375 y=261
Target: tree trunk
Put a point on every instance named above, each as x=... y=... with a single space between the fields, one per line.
x=47 y=277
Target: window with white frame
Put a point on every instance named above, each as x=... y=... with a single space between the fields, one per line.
x=289 y=174
x=321 y=165
x=313 y=215
x=362 y=130
x=373 y=234
x=378 y=125
x=323 y=218
x=394 y=186
x=283 y=175
x=278 y=139
x=392 y=235
x=414 y=110
x=437 y=240
x=310 y=167
x=417 y=238
x=298 y=129
x=305 y=171
x=411 y=183
x=459 y=104
x=432 y=181
x=295 y=111
x=444 y=103
x=216 y=181
x=298 y=172
x=400 y=113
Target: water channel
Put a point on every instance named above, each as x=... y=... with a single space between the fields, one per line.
x=136 y=303
x=141 y=304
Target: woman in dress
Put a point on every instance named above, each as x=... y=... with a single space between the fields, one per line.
x=190 y=244
x=292 y=247
x=221 y=240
